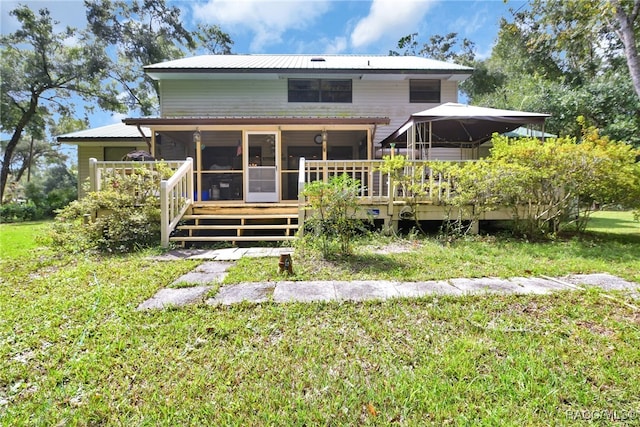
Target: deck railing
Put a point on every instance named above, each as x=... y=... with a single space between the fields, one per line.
x=377 y=186
x=101 y=171
x=175 y=194
x=374 y=184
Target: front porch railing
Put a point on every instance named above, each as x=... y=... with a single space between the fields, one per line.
x=377 y=186
x=175 y=194
x=101 y=171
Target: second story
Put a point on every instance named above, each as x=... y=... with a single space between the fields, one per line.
x=305 y=86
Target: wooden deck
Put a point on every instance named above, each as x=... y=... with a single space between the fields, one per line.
x=186 y=222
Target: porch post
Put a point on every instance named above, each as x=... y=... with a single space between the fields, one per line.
x=301 y=200
x=93 y=179
x=164 y=215
x=190 y=188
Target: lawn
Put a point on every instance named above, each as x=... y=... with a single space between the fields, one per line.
x=75 y=352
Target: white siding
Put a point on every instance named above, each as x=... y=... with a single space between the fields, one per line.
x=268 y=98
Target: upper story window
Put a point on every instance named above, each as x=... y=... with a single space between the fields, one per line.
x=320 y=90
x=424 y=91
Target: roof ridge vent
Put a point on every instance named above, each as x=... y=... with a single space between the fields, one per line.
x=318 y=59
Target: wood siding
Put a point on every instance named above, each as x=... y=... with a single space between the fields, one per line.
x=84 y=154
x=268 y=98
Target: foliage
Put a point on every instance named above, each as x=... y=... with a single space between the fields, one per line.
x=18 y=212
x=332 y=223
x=123 y=216
x=548 y=186
x=569 y=58
x=41 y=72
x=145 y=32
x=45 y=70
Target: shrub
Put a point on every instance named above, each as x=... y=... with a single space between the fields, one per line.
x=332 y=222
x=18 y=212
x=124 y=216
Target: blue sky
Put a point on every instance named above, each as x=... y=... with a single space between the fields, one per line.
x=314 y=26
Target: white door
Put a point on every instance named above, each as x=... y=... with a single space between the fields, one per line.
x=261 y=177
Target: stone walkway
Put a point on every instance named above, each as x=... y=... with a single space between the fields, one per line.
x=195 y=286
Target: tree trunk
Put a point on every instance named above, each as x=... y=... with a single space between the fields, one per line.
x=628 y=38
x=13 y=142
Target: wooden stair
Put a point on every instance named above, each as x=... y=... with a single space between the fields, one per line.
x=238 y=223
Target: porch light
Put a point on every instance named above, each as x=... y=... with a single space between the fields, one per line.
x=197 y=137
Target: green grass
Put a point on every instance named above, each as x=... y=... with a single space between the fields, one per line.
x=75 y=352
x=612 y=245
x=19 y=239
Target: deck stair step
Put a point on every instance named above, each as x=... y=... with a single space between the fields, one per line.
x=236 y=225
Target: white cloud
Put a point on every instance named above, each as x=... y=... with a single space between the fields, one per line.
x=268 y=20
x=469 y=24
x=389 y=20
x=336 y=46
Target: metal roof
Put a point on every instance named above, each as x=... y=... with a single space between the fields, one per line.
x=111 y=132
x=316 y=63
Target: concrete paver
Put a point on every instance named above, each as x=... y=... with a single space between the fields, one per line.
x=304 y=291
x=420 y=289
x=175 y=297
x=360 y=290
x=213 y=272
x=252 y=292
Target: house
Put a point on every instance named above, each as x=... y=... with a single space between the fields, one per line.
x=257 y=127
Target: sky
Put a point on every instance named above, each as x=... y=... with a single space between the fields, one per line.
x=313 y=26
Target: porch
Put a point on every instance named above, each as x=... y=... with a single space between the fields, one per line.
x=187 y=220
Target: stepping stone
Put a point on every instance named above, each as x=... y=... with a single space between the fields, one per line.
x=253 y=292
x=485 y=284
x=208 y=273
x=304 y=291
x=175 y=297
x=420 y=289
x=360 y=290
x=536 y=285
x=604 y=281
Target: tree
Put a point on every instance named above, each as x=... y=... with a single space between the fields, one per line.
x=144 y=32
x=41 y=70
x=625 y=26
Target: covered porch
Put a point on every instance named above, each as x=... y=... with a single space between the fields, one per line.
x=255 y=160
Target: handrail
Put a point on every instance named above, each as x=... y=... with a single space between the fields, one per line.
x=377 y=186
x=97 y=178
x=176 y=196
x=301 y=199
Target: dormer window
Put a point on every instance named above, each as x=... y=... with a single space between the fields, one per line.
x=424 y=91
x=320 y=90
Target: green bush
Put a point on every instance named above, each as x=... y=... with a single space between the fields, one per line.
x=123 y=217
x=332 y=222
x=18 y=212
